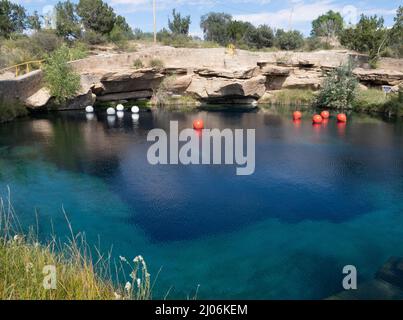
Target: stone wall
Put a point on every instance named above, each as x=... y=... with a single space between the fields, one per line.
x=22 y=87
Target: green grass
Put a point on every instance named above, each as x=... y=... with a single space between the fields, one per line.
x=375 y=100
x=371 y=100
x=138 y=64
x=290 y=97
x=79 y=274
x=156 y=63
x=10 y=111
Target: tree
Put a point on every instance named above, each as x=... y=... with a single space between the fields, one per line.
x=34 y=21
x=214 y=26
x=179 y=25
x=67 y=22
x=368 y=36
x=12 y=18
x=261 y=37
x=339 y=89
x=96 y=15
x=328 y=25
x=61 y=80
x=236 y=31
x=121 y=31
x=289 y=40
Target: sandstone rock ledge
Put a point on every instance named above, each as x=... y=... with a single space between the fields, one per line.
x=208 y=75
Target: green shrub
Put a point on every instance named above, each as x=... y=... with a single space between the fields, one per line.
x=156 y=63
x=369 y=100
x=94 y=38
x=43 y=43
x=61 y=80
x=9 y=110
x=78 y=51
x=289 y=40
x=339 y=89
x=138 y=64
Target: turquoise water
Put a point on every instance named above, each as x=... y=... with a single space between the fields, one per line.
x=322 y=197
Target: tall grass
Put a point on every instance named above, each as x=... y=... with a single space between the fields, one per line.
x=298 y=97
x=79 y=274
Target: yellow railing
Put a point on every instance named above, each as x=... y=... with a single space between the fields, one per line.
x=21 y=66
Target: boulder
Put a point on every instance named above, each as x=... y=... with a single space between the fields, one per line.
x=39 y=99
x=180 y=84
x=129 y=80
x=304 y=79
x=215 y=88
x=273 y=70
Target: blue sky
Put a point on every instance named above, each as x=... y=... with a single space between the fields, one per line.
x=296 y=14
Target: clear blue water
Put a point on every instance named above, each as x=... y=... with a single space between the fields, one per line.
x=321 y=198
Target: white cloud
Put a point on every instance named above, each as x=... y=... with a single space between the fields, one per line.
x=300 y=13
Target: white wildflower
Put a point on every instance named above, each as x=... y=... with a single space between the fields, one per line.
x=128 y=286
x=29 y=266
x=138 y=283
x=117 y=296
x=122 y=259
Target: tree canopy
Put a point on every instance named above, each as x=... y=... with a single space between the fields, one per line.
x=12 y=18
x=328 y=25
x=179 y=25
x=96 y=15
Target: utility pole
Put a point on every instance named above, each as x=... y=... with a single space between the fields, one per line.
x=155 y=22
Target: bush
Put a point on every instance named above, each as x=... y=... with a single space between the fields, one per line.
x=156 y=63
x=61 y=80
x=44 y=42
x=78 y=51
x=289 y=40
x=138 y=64
x=94 y=38
x=339 y=89
x=9 y=111
x=316 y=43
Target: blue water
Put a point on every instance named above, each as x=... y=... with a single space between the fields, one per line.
x=321 y=198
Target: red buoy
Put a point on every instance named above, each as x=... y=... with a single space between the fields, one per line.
x=297 y=115
x=198 y=124
x=317 y=119
x=341 y=117
x=325 y=114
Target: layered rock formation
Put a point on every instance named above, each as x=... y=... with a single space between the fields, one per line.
x=208 y=75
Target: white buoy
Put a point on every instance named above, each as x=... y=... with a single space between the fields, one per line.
x=120 y=114
x=135 y=109
x=120 y=107
x=110 y=111
x=135 y=117
x=89 y=109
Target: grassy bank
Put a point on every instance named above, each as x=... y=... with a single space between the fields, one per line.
x=25 y=263
x=293 y=97
x=375 y=100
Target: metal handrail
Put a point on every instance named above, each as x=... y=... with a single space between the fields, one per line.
x=26 y=64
